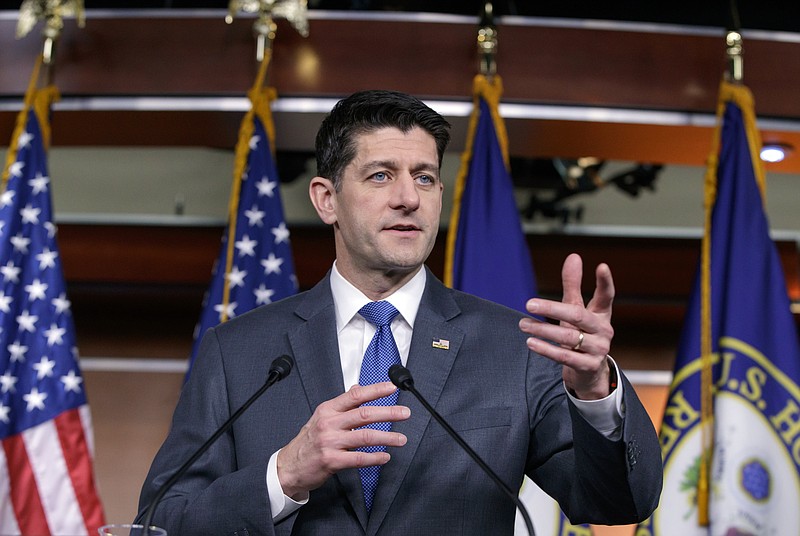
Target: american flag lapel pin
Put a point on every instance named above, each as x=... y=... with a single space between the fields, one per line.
x=443 y=344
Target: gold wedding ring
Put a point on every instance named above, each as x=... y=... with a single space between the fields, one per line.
x=580 y=341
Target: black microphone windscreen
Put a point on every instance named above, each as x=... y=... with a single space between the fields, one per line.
x=401 y=377
x=281 y=366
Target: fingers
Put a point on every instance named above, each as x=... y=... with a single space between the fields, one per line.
x=346 y=413
x=571 y=277
x=604 y=291
x=581 y=340
x=570 y=314
x=364 y=415
x=543 y=336
x=326 y=444
x=360 y=394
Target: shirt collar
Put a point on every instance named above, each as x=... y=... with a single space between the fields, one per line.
x=348 y=299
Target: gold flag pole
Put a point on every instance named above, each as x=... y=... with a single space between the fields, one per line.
x=733 y=75
x=260 y=97
x=486 y=84
x=52 y=12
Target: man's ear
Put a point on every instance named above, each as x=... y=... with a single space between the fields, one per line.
x=323 y=197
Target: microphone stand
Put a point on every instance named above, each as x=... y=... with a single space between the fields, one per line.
x=280 y=368
x=402 y=378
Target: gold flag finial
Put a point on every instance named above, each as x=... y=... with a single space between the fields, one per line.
x=295 y=11
x=487 y=41
x=734 y=50
x=52 y=12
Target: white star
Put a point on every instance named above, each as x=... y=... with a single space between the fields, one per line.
x=30 y=214
x=44 y=368
x=15 y=170
x=72 y=382
x=254 y=142
x=5 y=301
x=10 y=272
x=55 y=335
x=17 y=351
x=7 y=198
x=39 y=183
x=47 y=258
x=61 y=303
x=35 y=399
x=20 y=243
x=36 y=290
x=263 y=294
x=27 y=322
x=236 y=277
x=51 y=229
x=246 y=246
x=4 y=413
x=227 y=312
x=281 y=233
x=7 y=383
x=272 y=264
x=24 y=140
x=254 y=216
x=265 y=187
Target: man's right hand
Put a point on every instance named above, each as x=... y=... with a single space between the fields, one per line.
x=327 y=442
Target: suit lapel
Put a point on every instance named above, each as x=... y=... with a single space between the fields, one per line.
x=315 y=347
x=434 y=346
x=316 y=351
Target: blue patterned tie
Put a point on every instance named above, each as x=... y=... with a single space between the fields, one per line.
x=380 y=355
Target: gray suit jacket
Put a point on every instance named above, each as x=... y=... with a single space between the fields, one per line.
x=506 y=402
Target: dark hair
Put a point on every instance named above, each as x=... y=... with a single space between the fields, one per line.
x=367 y=111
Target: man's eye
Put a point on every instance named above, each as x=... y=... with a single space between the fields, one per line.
x=425 y=179
x=380 y=176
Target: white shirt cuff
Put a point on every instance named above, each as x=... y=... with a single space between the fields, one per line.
x=605 y=414
x=281 y=505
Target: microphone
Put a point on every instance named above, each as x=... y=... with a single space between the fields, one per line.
x=402 y=379
x=278 y=370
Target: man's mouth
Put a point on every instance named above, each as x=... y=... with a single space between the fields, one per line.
x=404 y=228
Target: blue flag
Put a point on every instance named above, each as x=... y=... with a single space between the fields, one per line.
x=256 y=268
x=752 y=425
x=488 y=255
x=47 y=483
x=487 y=252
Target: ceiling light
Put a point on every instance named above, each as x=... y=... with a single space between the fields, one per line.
x=774 y=152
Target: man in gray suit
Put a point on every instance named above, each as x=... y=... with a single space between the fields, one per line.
x=536 y=398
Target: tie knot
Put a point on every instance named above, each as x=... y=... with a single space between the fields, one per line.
x=380 y=313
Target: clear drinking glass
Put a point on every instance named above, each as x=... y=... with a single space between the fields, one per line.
x=125 y=529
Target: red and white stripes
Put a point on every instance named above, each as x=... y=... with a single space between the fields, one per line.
x=47 y=484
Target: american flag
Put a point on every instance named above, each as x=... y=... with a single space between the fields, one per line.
x=262 y=268
x=47 y=483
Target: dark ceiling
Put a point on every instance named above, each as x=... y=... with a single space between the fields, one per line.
x=776 y=15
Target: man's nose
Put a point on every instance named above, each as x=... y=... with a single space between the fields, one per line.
x=405 y=194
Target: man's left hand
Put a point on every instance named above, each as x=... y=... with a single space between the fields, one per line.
x=583 y=333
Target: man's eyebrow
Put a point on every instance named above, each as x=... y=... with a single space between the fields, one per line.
x=388 y=164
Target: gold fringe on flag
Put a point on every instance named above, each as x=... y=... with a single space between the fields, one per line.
x=490 y=89
x=261 y=99
x=743 y=98
x=40 y=100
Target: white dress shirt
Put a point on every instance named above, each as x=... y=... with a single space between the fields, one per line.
x=354 y=335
